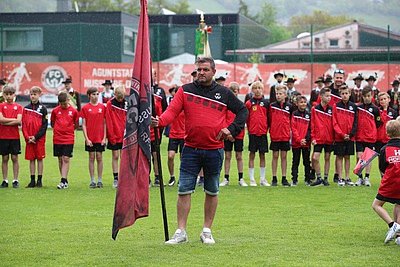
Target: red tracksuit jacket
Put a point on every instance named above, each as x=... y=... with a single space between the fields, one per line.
x=300 y=125
x=389 y=164
x=322 y=125
x=279 y=121
x=386 y=115
x=344 y=120
x=115 y=120
x=368 y=121
x=257 y=121
x=34 y=121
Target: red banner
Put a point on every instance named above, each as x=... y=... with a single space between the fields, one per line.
x=49 y=76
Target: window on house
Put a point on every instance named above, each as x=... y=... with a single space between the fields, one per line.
x=23 y=39
x=334 y=42
x=177 y=43
x=129 y=41
x=306 y=44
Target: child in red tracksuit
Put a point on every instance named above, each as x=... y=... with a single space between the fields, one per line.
x=300 y=125
x=387 y=113
x=34 y=126
x=389 y=189
x=369 y=120
x=115 y=126
x=322 y=135
x=257 y=126
x=345 y=126
x=279 y=131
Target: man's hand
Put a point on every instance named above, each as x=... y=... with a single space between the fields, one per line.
x=303 y=142
x=89 y=143
x=154 y=121
x=314 y=142
x=346 y=137
x=225 y=134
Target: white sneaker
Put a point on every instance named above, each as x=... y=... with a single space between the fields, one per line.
x=397 y=241
x=242 y=183
x=359 y=182
x=253 y=183
x=264 y=182
x=392 y=232
x=179 y=237
x=367 y=182
x=225 y=182
x=348 y=182
x=341 y=182
x=206 y=236
x=115 y=184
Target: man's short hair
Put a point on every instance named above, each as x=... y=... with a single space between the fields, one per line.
x=36 y=90
x=210 y=60
x=281 y=87
x=91 y=90
x=393 y=128
x=324 y=90
x=9 y=89
x=367 y=89
x=62 y=97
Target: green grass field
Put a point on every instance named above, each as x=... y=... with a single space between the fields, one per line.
x=298 y=226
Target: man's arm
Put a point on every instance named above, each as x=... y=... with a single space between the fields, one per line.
x=173 y=110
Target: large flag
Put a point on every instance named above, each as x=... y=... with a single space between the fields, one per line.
x=202 y=46
x=367 y=156
x=132 y=200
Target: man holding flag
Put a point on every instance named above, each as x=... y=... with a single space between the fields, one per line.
x=205 y=104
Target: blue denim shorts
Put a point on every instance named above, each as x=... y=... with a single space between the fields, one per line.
x=192 y=160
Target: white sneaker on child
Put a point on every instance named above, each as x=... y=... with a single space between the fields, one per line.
x=392 y=232
x=253 y=182
x=264 y=182
x=359 y=182
x=206 y=236
x=179 y=237
x=367 y=182
x=242 y=183
x=224 y=182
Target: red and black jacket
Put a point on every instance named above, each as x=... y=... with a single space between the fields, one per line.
x=322 y=125
x=389 y=164
x=205 y=113
x=300 y=125
x=344 y=120
x=279 y=121
x=257 y=121
x=386 y=115
x=230 y=117
x=34 y=121
x=369 y=120
x=115 y=120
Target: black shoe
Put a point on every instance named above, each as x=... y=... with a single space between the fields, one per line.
x=4 y=184
x=39 y=183
x=317 y=182
x=285 y=183
x=15 y=184
x=325 y=182
x=274 y=183
x=171 y=181
x=335 y=180
x=31 y=184
x=156 y=182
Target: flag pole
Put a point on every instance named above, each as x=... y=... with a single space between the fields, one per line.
x=160 y=175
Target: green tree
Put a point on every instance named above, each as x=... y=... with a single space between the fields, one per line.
x=244 y=10
x=182 y=7
x=319 y=19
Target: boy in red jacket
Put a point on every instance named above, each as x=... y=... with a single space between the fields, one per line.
x=389 y=189
x=345 y=126
x=10 y=118
x=94 y=131
x=387 y=113
x=322 y=135
x=279 y=131
x=64 y=121
x=257 y=126
x=369 y=118
x=115 y=127
x=34 y=126
x=300 y=125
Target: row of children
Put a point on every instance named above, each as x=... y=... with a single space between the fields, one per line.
x=98 y=123
x=342 y=127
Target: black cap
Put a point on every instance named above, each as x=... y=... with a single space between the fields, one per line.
x=68 y=80
x=107 y=82
x=395 y=82
x=371 y=78
x=220 y=78
x=291 y=80
x=279 y=74
x=319 y=80
x=172 y=89
x=359 y=77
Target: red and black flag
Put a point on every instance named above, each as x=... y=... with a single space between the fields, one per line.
x=367 y=156
x=132 y=200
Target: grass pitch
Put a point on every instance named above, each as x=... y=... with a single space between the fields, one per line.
x=297 y=226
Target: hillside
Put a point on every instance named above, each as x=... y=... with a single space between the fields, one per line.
x=377 y=13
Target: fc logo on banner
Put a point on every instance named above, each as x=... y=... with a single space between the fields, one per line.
x=52 y=78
